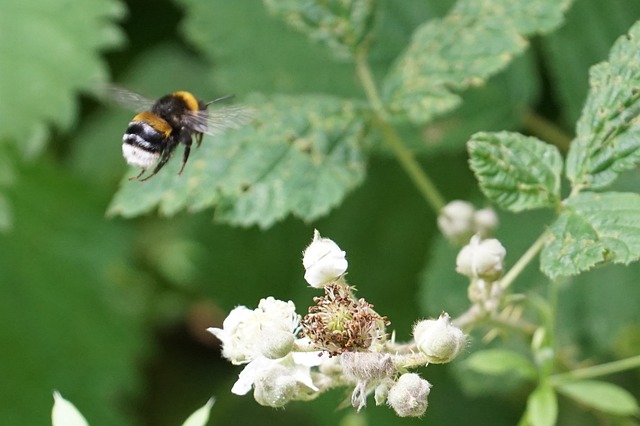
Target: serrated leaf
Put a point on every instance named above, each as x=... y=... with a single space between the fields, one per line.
x=542 y=406
x=608 y=132
x=515 y=171
x=602 y=396
x=499 y=362
x=595 y=228
x=300 y=156
x=474 y=41
x=45 y=62
x=341 y=25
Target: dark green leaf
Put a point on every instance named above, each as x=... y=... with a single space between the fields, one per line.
x=516 y=171
x=602 y=396
x=46 y=61
x=341 y=25
x=70 y=305
x=608 y=132
x=542 y=406
x=499 y=362
x=590 y=29
x=595 y=228
x=300 y=156
x=474 y=41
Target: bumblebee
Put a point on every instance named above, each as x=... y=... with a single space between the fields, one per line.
x=177 y=118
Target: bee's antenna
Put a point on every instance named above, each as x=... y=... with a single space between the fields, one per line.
x=224 y=98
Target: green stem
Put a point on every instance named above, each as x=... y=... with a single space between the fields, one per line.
x=524 y=260
x=547 y=131
x=597 y=370
x=404 y=155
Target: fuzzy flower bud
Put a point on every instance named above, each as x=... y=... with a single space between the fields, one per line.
x=485 y=221
x=456 y=220
x=367 y=366
x=482 y=259
x=323 y=261
x=275 y=387
x=438 y=339
x=408 y=397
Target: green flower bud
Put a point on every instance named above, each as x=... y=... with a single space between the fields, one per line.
x=438 y=339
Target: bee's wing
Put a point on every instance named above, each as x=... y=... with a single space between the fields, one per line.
x=127 y=98
x=218 y=120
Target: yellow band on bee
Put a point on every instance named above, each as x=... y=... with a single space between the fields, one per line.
x=154 y=121
x=190 y=100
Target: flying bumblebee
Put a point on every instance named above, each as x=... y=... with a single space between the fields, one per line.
x=177 y=118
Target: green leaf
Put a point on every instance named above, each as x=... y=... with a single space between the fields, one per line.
x=542 y=406
x=341 y=25
x=45 y=62
x=594 y=229
x=70 y=307
x=499 y=362
x=300 y=156
x=280 y=60
x=590 y=30
x=516 y=171
x=608 y=132
x=474 y=41
x=602 y=396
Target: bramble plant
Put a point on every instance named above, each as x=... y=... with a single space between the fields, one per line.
x=338 y=87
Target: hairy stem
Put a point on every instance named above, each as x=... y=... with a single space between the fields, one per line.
x=404 y=155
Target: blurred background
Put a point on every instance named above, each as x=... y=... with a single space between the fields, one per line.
x=112 y=312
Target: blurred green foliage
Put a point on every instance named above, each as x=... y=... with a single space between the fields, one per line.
x=111 y=311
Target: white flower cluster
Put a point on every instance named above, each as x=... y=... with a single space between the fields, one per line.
x=342 y=341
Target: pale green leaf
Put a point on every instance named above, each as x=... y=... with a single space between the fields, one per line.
x=594 y=229
x=341 y=25
x=299 y=156
x=602 y=396
x=499 y=362
x=515 y=171
x=608 y=132
x=474 y=41
x=200 y=417
x=542 y=406
x=50 y=51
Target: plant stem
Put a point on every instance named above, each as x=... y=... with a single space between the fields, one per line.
x=597 y=370
x=524 y=260
x=547 y=131
x=405 y=157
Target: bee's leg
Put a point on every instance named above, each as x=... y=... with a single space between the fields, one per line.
x=139 y=174
x=185 y=138
x=198 y=139
x=164 y=157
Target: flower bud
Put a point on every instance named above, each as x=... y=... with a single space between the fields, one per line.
x=65 y=413
x=485 y=221
x=438 y=339
x=408 y=397
x=456 y=221
x=275 y=343
x=323 y=261
x=367 y=366
x=482 y=259
x=274 y=387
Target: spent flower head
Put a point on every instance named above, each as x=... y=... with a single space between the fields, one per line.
x=341 y=323
x=323 y=261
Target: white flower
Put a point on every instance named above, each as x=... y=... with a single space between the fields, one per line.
x=323 y=261
x=482 y=259
x=277 y=382
x=267 y=331
x=456 y=220
x=438 y=339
